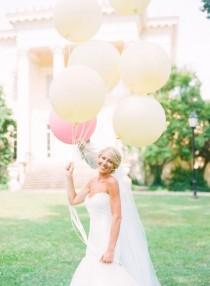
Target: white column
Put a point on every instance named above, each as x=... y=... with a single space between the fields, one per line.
x=58 y=149
x=23 y=120
x=174 y=33
x=58 y=60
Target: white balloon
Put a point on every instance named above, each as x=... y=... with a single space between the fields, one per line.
x=100 y=56
x=145 y=67
x=139 y=120
x=127 y=7
x=77 y=20
x=77 y=94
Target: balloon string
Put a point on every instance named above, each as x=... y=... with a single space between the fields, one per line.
x=84 y=132
x=102 y=127
x=74 y=133
x=77 y=225
x=81 y=135
x=81 y=139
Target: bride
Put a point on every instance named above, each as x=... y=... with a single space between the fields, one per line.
x=116 y=252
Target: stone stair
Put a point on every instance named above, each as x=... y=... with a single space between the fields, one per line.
x=50 y=174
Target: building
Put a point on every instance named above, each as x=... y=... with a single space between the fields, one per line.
x=32 y=53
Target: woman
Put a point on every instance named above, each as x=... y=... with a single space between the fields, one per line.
x=106 y=262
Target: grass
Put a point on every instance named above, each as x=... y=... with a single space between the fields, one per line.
x=38 y=246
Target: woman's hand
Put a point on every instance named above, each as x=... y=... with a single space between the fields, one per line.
x=69 y=170
x=107 y=257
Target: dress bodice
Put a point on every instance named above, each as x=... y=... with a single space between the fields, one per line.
x=98 y=205
x=99 y=209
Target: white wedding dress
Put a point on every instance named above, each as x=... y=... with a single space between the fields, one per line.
x=90 y=271
x=132 y=265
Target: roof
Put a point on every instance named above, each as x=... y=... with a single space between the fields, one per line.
x=29 y=14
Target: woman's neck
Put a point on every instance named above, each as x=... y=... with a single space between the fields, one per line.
x=102 y=176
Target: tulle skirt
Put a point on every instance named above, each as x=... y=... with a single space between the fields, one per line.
x=91 y=272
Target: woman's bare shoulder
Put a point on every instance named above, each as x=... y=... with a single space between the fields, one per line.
x=112 y=181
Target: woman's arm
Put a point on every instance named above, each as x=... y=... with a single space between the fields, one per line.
x=73 y=197
x=116 y=221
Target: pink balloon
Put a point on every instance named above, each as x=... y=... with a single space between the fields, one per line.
x=71 y=133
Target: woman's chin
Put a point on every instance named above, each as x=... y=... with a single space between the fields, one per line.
x=104 y=171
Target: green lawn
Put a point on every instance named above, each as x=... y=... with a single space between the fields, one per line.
x=39 y=248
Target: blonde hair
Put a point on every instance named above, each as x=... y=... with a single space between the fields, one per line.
x=116 y=156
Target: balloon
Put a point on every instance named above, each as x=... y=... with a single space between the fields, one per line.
x=139 y=120
x=77 y=94
x=100 y=56
x=127 y=7
x=77 y=20
x=71 y=133
x=145 y=67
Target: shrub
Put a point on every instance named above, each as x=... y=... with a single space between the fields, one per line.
x=7 y=138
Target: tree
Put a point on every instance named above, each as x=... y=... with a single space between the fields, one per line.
x=206 y=7
x=179 y=97
x=7 y=128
